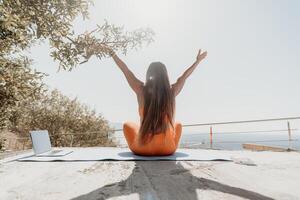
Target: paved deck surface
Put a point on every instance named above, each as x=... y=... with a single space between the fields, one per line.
x=275 y=175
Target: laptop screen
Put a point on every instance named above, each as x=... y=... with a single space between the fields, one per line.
x=40 y=141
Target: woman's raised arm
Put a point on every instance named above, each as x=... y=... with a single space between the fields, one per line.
x=134 y=82
x=176 y=87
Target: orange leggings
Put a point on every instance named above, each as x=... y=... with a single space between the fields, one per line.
x=161 y=144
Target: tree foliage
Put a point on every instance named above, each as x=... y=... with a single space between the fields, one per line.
x=17 y=82
x=77 y=50
x=25 y=22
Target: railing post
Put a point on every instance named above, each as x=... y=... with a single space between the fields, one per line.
x=290 y=134
x=210 y=137
x=16 y=143
x=23 y=144
x=72 y=137
x=9 y=143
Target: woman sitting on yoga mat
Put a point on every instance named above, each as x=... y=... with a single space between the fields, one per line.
x=157 y=134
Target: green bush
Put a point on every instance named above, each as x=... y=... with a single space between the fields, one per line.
x=67 y=120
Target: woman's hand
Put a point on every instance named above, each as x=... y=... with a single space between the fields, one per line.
x=200 y=55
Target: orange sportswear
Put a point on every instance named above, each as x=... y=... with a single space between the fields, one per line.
x=161 y=144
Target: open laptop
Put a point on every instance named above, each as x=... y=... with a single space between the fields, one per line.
x=42 y=146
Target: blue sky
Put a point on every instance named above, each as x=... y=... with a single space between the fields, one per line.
x=251 y=71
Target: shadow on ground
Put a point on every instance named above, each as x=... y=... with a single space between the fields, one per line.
x=165 y=180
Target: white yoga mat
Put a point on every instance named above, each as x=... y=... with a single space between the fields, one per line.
x=112 y=153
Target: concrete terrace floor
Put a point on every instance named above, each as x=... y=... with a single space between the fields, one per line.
x=275 y=175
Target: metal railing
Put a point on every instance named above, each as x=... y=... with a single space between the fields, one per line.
x=211 y=133
x=24 y=140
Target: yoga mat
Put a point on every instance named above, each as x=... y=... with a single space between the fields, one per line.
x=112 y=153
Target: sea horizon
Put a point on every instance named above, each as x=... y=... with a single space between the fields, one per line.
x=229 y=141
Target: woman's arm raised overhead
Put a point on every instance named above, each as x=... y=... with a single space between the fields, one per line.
x=176 y=87
x=134 y=82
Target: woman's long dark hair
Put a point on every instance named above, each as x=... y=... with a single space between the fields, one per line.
x=159 y=102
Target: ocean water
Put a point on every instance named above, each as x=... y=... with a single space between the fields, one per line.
x=228 y=141
x=235 y=141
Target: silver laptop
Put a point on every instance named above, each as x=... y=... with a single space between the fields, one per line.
x=42 y=146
